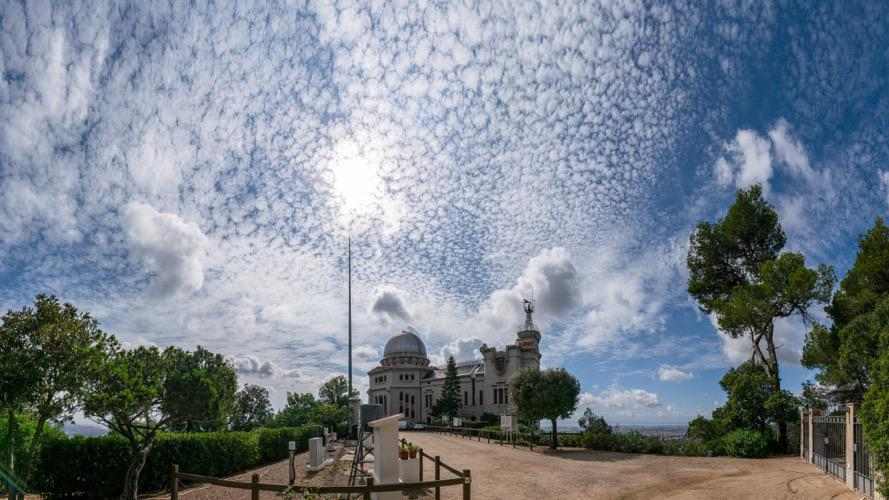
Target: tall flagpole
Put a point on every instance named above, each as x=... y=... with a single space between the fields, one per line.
x=350 y=317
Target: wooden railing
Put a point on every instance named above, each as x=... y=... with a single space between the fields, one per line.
x=463 y=478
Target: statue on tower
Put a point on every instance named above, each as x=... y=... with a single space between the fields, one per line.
x=529 y=336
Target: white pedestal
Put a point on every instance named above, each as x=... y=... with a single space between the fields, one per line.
x=409 y=470
x=317 y=455
x=385 y=452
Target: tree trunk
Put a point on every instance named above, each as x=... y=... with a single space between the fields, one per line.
x=555 y=441
x=10 y=434
x=35 y=444
x=131 y=480
x=776 y=386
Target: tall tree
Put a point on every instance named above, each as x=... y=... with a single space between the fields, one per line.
x=845 y=352
x=127 y=396
x=252 y=408
x=336 y=392
x=549 y=394
x=200 y=390
x=19 y=373
x=737 y=273
x=298 y=410
x=448 y=405
x=63 y=346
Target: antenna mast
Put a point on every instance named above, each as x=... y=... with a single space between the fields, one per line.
x=350 y=315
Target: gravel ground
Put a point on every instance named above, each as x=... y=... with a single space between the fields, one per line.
x=501 y=472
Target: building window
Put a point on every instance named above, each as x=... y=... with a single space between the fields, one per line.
x=481 y=398
x=505 y=396
x=465 y=398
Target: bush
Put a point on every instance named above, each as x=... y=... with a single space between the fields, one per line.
x=273 y=443
x=746 y=443
x=94 y=467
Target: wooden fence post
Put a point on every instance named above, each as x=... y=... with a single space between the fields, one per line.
x=254 y=487
x=850 y=446
x=467 y=485
x=420 y=454
x=437 y=476
x=174 y=482
x=369 y=483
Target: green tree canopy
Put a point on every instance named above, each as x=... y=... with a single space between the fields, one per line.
x=737 y=273
x=336 y=392
x=549 y=394
x=298 y=410
x=252 y=408
x=200 y=390
x=590 y=422
x=57 y=347
x=846 y=351
x=127 y=396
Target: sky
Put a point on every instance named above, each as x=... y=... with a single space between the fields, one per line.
x=190 y=174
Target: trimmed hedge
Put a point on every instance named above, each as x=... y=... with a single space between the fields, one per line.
x=94 y=467
x=273 y=442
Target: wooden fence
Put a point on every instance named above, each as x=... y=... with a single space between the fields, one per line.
x=463 y=478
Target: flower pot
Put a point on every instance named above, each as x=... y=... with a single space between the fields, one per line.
x=412 y=453
x=403 y=454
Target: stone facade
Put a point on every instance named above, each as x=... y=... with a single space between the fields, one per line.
x=404 y=382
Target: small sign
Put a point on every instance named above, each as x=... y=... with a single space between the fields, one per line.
x=291 y=446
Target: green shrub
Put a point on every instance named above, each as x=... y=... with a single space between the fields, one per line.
x=273 y=443
x=746 y=443
x=94 y=467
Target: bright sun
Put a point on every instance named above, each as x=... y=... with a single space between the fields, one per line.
x=356 y=176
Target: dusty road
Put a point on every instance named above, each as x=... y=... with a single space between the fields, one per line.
x=501 y=472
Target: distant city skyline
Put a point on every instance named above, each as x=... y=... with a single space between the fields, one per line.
x=190 y=176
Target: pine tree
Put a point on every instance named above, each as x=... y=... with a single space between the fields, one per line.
x=449 y=403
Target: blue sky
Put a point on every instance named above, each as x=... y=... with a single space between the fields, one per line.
x=189 y=174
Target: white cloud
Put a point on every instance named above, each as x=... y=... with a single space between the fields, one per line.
x=462 y=349
x=884 y=183
x=750 y=161
x=666 y=373
x=170 y=248
x=789 y=150
x=620 y=399
x=251 y=365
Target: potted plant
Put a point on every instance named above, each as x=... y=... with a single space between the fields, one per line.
x=403 y=452
x=412 y=450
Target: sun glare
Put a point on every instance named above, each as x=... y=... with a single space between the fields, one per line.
x=356 y=177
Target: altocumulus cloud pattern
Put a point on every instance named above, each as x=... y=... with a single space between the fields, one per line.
x=190 y=172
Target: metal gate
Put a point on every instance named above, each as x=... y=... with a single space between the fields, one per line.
x=829 y=445
x=804 y=438
x=864 y=472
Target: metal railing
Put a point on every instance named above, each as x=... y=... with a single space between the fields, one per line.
x=862 y=466
x=829 y=445
x=835 y=444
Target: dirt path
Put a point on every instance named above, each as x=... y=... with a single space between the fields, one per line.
x=501 y=472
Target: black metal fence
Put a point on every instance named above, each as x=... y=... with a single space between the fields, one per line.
x=829 y=445
x=862 y=466
x=835 y=443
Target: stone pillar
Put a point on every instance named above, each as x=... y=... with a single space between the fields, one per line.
x=802 y=426
x=850 y=445
x=811 y=424
x=385 y=435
